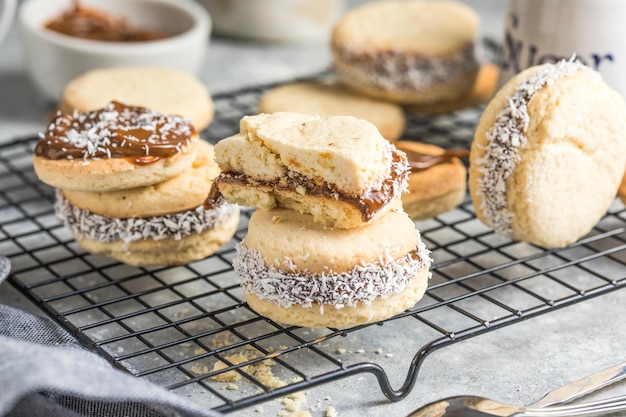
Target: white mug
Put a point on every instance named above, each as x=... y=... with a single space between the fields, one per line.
x=7 y=12
x=541 y=31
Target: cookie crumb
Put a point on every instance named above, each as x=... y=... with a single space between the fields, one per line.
x=341 y=350
x=378 y=351
x=331 y=411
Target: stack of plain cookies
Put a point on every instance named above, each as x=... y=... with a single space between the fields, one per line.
x=329 y=243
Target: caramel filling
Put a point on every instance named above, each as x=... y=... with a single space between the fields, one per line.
x=116 y=131
x=421 y=161
x=369 y=203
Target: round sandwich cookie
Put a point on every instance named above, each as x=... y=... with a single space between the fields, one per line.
x=548 y=154
x=326 y=99
x=165 y=90
x=411 y=52
x=298 y=272
x=162 y=224
x=339 y=169
x=437 y=182
x=114 y=148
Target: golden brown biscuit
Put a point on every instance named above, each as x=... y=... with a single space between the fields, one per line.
x=548 y=154
x=437 y=182
x=334 y=100
x=296 y=271
x=164 y=90
x=412 y=52
x=185 y=191
x=339 y=169
x=114 y=148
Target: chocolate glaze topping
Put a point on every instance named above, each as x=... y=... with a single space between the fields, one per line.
x=421 y=161
x=116 y=131
x=88 y=23
x=368 y=203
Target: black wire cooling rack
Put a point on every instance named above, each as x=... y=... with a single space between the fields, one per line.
x=188 y=328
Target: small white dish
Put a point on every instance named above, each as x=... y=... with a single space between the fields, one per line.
x=53 y=59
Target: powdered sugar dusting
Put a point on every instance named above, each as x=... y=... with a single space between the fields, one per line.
x=364 y=283
x=505 y=138
x=87 y=225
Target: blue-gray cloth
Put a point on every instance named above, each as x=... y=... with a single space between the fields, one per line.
x=44 y=372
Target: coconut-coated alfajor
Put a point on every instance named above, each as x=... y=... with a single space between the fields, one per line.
x=296 y=271
x=548 y=154
x=407 y=51
x=160 y=224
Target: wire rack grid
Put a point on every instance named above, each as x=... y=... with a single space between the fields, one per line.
x=189 y=329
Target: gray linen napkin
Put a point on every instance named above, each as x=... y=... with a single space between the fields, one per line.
x=44 y=372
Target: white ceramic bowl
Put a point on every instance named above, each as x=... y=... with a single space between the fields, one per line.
x=287 y=21
x=53 y=59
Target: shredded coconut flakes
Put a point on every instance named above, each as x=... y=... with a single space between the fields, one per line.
x=87 y=225
x=363 y=283
x=504 y=139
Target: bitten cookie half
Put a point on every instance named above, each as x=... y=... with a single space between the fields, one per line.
x=339 y=169
x=164 y=90
x=327 y=100
x=437 y=182
x=411 y=52
x=548 y=154
x=297 y=272
x=114 y=148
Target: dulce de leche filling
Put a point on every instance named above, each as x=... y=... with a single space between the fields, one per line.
x=421 y=161
x=369 y=203
x=137 y=134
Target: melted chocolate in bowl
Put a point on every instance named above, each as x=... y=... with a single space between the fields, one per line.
x=88 y=23
x=116 y=131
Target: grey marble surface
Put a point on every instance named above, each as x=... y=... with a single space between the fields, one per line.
x=518 y=363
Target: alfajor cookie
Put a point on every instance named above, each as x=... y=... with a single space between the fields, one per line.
x=164 y=90
x=339 y=169
x=548 y=154
x=161 y=224
x=437 y=182
x=334 y=100
x=412 y=52
x=295 y=271
x=114 y=148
